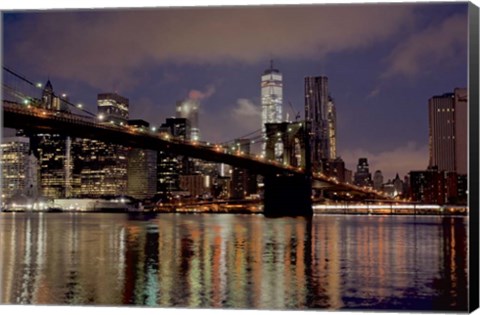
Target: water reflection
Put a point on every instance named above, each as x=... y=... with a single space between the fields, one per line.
x=235 y=261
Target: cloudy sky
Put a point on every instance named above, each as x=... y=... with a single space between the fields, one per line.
x=383 y=61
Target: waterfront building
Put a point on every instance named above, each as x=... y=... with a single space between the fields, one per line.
x=320 y=115
x=195 y=184
x=53 y=152
x=448 y=131
x=112 y=108
x=221 y=187
x=141 y=168
x=20 y=169
x=362 y=175
x=101 y=168
x=272 y=100
x=189 y=109
x=244 y=182
x=378 y=180
x=434 y=186
x=170 y=166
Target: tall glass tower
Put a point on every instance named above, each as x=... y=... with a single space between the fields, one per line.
x=272 y=99
x=189 y=109
x=316 y=113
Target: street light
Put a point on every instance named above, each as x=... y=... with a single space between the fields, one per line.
x=101 y=117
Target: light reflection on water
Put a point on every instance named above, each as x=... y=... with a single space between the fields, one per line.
x=234 y=261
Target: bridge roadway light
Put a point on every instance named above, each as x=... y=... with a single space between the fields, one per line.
x=39 y=85
x=153 y=128
x=80 y=106
x=101 y=117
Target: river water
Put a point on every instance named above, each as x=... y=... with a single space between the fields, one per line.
x=234 y=261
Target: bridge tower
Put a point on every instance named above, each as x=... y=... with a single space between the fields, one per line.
x=287 y=194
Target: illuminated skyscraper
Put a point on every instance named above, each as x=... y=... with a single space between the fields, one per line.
x=332 y=129
x=170 y=166
x=188 y=109
x=272 y=100
x=316 y=114
x=101 y=168
x=448 y=131
x=54 y=155
x=362 y=175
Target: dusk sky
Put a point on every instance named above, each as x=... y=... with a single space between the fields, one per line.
x=383 y=61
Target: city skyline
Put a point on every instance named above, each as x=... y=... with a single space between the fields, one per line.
x=376 y=117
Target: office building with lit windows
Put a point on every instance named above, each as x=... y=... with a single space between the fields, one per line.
x=447 y=115
x=332 y=129
x=101 y=168
x=54 y=154
x=170 y=166
x=272 y=100
x=141 y=168
x=362 y=176
x=19 y=168
x=112 y=108
x=320 y=115
x=244 y=182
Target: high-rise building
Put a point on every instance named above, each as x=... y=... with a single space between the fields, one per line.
x=19 y=168
x=101 y=168
x=448 y=131
x=334 y=168
x=461 y=131
x=195 y=184
x=170 y=166
x=243 y=182
x=141 y=168
x=378 y=180
x=112 y=108
x=272 y=100
x=362 y=175
x=188 y=109
x=434 y=186
x=332 y=129
x=316 y=115
x=53 y=152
